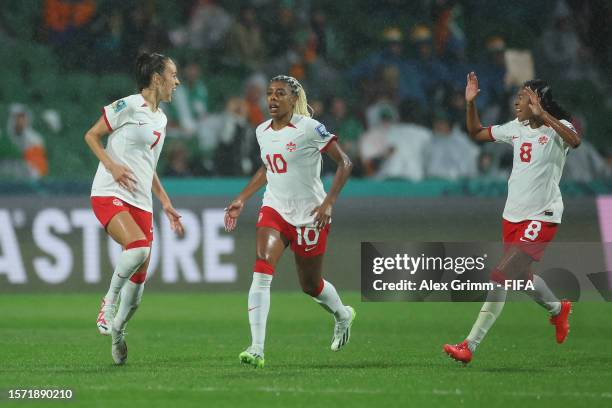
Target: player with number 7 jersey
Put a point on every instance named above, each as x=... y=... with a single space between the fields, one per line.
x=541 y=136
x=296 y=210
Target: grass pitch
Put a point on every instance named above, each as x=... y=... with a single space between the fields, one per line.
x=183 y=352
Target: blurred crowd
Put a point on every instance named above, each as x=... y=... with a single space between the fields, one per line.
x=396 y=105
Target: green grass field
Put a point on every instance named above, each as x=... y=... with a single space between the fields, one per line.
x=184 y=352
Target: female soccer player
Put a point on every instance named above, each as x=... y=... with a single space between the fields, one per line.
x=541 y=136
x=295 y=211
x=121 y=190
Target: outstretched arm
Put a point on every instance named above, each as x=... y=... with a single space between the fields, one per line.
x=323 y=212
x=474 y=127
x=233 y=210
x=568 y=135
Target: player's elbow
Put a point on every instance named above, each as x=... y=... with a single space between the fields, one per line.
x=347 y=164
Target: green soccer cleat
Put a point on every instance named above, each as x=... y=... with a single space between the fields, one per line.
x=250 y=357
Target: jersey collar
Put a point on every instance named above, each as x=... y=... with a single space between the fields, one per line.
x=291 y=123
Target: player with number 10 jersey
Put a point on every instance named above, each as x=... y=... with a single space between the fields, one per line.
x=296 y=210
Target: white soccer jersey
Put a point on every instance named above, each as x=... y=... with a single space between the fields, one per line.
x=136 y=140
x=539 y=157
x=292 y=156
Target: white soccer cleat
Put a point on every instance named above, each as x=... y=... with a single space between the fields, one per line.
x=342 y=330
x=105 y=318
x=119 y=348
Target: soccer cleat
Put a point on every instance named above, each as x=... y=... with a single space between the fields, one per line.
x=105 y=318
x=342 y=331
x=561 y=321
x=119 y=348
x=459 y=352
x=250 y=357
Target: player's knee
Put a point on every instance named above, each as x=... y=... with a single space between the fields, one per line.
x=138 y=252
x=139 y=277
x=263 y=265
x=312 y=288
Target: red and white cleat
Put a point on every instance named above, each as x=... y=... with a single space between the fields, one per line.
x=561 y=321
x=459 y=352
x=105 y=318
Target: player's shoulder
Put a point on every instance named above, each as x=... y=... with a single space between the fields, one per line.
x=312 y=126
x=263 y=126
x=127 y=102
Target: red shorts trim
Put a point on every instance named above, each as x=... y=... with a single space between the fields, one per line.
x=105 y=208
x=530 y=236
x=305 y=241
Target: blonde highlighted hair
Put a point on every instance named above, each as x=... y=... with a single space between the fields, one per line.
x=301 y=105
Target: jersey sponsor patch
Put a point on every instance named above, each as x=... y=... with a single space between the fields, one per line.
x=119 y=105
x=322 y=131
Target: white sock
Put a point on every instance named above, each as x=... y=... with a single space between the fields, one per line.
x=129 y=262
x=544 y=296
x=330 y=301
x=489 y=312
x=258 y=307
x=131 y=295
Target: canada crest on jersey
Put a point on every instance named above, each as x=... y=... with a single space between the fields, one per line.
x=291 y=147
x=543 y=139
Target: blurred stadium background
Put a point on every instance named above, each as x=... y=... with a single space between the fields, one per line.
x=387 y=77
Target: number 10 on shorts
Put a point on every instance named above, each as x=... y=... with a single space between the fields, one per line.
x=307 y=235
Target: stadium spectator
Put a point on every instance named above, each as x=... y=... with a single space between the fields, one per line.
x=449 y=38
x=280 y=31
x=236 y=153
x=245 y=41
x=562 y=47
x=178 y=160
x=432 y=75
x=347 y=127
x=190 y=104
x=29 y=142
x=452 y=155
x=327 y=45
x=387 y=69
x=208 y=25
x=255 y=96
x=410 y=144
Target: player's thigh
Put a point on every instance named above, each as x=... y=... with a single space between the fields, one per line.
x=309 y=270
x=124 y=230
x=270 y=245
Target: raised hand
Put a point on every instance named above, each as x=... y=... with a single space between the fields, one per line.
x=232 y=212
x=471 y=88
x=534 y=102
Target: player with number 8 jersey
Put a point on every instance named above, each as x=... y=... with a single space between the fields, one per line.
x=541 y=136
x=296 y=210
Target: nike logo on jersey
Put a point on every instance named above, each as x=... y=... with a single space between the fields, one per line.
x=514 y=137
x=141 y=123
x=308 y=249
x=524 y=240
x=253 y=308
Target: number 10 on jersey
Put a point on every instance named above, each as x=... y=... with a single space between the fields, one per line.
x=276 y=163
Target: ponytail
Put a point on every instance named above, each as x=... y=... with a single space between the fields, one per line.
x=301 y=105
